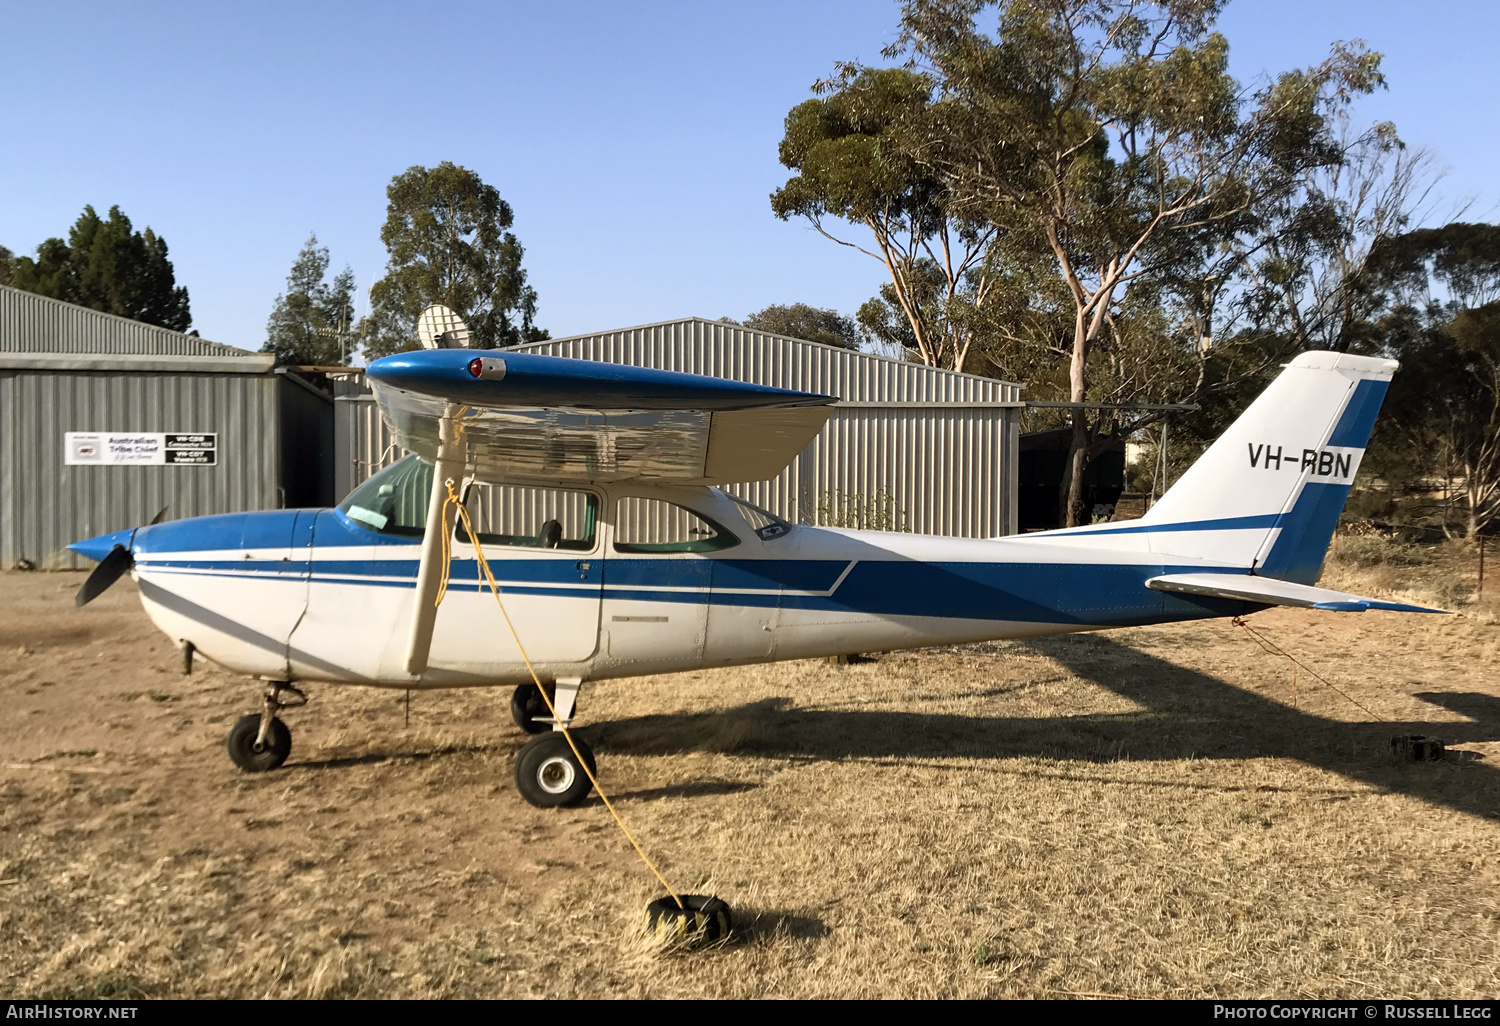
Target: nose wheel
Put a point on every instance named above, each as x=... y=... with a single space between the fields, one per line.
x=529 y=709
x=261 y=742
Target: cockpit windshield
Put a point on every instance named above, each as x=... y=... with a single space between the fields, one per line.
x=395 y=501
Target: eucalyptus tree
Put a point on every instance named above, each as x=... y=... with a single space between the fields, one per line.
x=851 y=166
x=815 y=324
x=449 y=239
x=309 y=318
x=1440 y=293
x=1306 y=267
x=1095 y=131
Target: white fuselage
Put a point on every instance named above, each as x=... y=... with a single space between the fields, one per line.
x=314 y=595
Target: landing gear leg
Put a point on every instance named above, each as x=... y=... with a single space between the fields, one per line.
x=529 y=710
x=260 y=741
x=548 y=771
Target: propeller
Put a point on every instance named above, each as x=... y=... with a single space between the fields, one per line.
x=115 y=562
x=106 y=573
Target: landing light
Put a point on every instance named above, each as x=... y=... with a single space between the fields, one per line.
x=487 y=368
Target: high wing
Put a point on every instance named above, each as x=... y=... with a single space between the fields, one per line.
x=1273 y=592
x=524 y=418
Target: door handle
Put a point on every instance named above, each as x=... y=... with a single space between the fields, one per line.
x=582 y=566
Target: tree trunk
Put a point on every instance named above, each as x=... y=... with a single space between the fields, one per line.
x=1078 y=450
x=1071 y=496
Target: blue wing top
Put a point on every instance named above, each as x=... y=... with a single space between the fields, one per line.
x=509 y=380
x=529 y=418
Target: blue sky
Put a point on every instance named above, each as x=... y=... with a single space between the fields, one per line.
x=636 y=142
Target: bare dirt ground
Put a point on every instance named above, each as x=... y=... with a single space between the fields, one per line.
x=1140 y=813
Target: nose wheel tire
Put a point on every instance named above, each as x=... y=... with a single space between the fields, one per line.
x=548 y=774
x=257 y=759
x=526 y=705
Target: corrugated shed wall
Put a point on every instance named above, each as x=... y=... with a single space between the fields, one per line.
x=35 y=324
x=908 y=448
x=45 y=504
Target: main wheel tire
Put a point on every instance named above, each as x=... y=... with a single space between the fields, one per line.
x=526 y=704
x=548 y=774
x=701 y=919
x=247 y=756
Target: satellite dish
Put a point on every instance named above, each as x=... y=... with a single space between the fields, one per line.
x=440 y=328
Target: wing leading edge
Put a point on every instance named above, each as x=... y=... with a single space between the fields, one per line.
x=528 y=418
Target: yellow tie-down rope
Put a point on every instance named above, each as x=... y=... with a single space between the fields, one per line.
x=453 y=500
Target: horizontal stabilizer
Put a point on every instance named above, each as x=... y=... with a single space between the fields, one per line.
x=1272 y=592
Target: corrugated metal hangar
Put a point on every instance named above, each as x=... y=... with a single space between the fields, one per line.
x=105 y=421
x=908 y=447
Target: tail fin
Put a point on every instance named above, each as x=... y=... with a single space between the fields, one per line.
x=1267 y=495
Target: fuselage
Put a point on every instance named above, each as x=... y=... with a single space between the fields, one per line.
x=322 y=595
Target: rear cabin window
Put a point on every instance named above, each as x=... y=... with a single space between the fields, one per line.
x=395 y=500
x=652 y=525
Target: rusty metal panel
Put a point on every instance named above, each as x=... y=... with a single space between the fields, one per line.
x=45 y=504
x=36 y=324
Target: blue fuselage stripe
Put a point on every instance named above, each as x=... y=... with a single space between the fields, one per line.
x=1067 y=593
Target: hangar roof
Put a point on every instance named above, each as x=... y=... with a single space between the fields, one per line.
x=37 y=324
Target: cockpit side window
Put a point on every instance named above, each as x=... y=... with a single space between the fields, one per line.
x=653 y=525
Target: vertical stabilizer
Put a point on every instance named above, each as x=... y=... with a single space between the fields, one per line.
x=1267 y=495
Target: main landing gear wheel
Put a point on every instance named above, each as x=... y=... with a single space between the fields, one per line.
x=527 y=707
x=548 y=774
x=258 y=758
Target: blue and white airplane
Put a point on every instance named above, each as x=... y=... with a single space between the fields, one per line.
x=617 y=555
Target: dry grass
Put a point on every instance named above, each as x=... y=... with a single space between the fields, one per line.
x=1141 y=813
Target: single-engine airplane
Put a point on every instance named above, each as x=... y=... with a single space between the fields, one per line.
x=594 y=499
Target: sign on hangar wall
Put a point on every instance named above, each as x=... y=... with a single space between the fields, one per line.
x=140 y=448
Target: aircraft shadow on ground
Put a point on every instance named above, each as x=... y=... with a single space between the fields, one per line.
x=1184 y=714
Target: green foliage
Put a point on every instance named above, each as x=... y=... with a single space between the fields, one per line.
x=799 y=320
x=104 y=265
x=852 y=165
x=1116 y=161
x=876 y=512
x=7 y=265
x=1440 y=429
x=308 y=319
x=449 y=239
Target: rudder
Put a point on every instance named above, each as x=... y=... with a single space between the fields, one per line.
x=1268 y=494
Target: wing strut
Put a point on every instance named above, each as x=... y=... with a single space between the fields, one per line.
x=449 y=466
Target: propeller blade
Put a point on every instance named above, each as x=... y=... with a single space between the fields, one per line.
x=106 y=573
x=157 y=519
